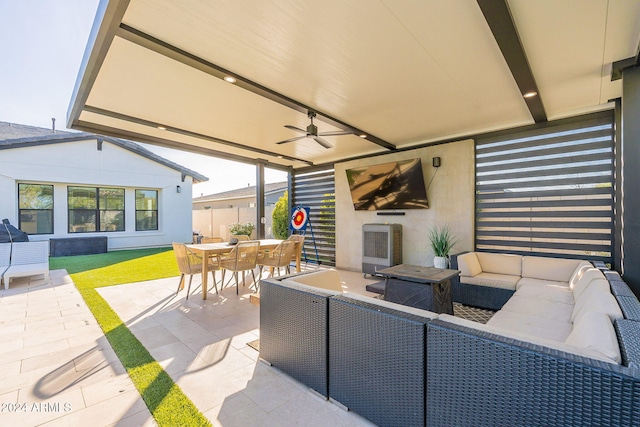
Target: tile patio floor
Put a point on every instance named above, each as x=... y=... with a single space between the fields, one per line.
x=58 y=368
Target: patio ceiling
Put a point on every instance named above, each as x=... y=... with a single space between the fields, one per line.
x=404 y=73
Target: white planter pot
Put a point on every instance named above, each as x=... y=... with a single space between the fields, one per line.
x=441 y=262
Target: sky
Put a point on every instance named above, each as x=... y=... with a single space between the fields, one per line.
x=42 y=43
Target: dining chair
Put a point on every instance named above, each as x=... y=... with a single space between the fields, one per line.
x=191 y=263
x=211 y=240
x=299 y=239
x=241 y=237
x=242 y=257
x=278 y=257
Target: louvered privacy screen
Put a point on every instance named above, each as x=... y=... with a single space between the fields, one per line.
x=317 y=190
x=548 y=191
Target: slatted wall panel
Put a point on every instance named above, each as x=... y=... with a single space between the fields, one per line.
x=548 y=191
x=317 y=190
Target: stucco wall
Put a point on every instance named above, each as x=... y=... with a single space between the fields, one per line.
x=451 y=201
x=81 y=163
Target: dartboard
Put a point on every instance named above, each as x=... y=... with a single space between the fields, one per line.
x=299 y=218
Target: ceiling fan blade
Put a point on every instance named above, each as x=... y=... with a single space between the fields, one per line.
x=336 y=133
x=322 y=142
x=297 y=138
x=295 y=128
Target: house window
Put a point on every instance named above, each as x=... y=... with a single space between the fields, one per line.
x=146 y=210
x=95 y=209
x=35 y=205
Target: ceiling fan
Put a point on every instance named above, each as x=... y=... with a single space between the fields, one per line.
x=312 y=132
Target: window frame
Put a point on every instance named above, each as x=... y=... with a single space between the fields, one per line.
x=156 y=210
x=50 y=210
x=97 y=211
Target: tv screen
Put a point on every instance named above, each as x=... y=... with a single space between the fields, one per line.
x=394 y=185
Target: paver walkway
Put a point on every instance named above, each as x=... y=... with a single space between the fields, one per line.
x=57 y=366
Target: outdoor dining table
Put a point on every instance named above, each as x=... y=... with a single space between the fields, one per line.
x=205 y=250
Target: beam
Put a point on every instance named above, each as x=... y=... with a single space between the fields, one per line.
x=162 y=48
x=498 y=16
x=139 y=121
x=105 y=25
x=168 y=143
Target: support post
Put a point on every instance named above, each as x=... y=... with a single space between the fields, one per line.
x=630 y=178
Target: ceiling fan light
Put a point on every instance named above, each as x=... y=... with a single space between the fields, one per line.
x=229 y=79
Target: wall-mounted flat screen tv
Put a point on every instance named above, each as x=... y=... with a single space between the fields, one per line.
x=394 y=185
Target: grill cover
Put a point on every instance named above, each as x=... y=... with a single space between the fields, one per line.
x=8 y=233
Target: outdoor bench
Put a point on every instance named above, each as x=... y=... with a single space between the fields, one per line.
x=5 y=258
x=27 y=259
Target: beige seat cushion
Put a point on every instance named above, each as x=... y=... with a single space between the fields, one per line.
x=562 y=346
x=537 y=307
x=559 y=294
x=508 y=264
x=595 y=331
x=492 y=280
x=522 y=324
x=528 y=281
x=555 y=269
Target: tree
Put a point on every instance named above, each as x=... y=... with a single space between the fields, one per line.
x=280 y=217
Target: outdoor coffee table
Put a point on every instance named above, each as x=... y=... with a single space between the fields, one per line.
x=428 y=288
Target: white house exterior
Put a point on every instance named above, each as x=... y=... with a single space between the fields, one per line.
x=63 y=185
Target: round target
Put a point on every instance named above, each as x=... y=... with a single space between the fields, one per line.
x=299 y=218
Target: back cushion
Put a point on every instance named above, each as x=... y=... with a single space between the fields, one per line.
x=582 y=267
x=556 y=269
x=595 y=299
x=469 y=265
x=500 y=263
x=595 y=331
x=590 y=275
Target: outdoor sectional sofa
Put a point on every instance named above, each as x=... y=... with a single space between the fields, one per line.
x=397 y=365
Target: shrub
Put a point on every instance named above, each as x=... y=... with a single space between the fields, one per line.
x=240 y=228
x=280 y=217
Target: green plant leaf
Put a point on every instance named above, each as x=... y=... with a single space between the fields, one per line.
x=442 y=240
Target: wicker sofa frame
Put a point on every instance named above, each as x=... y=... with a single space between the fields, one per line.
x=396 y=368
x=294 y=331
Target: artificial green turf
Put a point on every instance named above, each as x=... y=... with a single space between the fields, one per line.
x=166 y=401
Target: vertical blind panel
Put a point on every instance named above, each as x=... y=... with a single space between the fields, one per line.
x=316 y=190
x=548 y=191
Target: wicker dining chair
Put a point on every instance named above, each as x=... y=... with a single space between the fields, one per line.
x=243 y=257
x=191 y=263
x=298 y=238
x=278 y=257
x=211 y=240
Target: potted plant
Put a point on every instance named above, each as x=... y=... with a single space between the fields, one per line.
x=442 y=241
